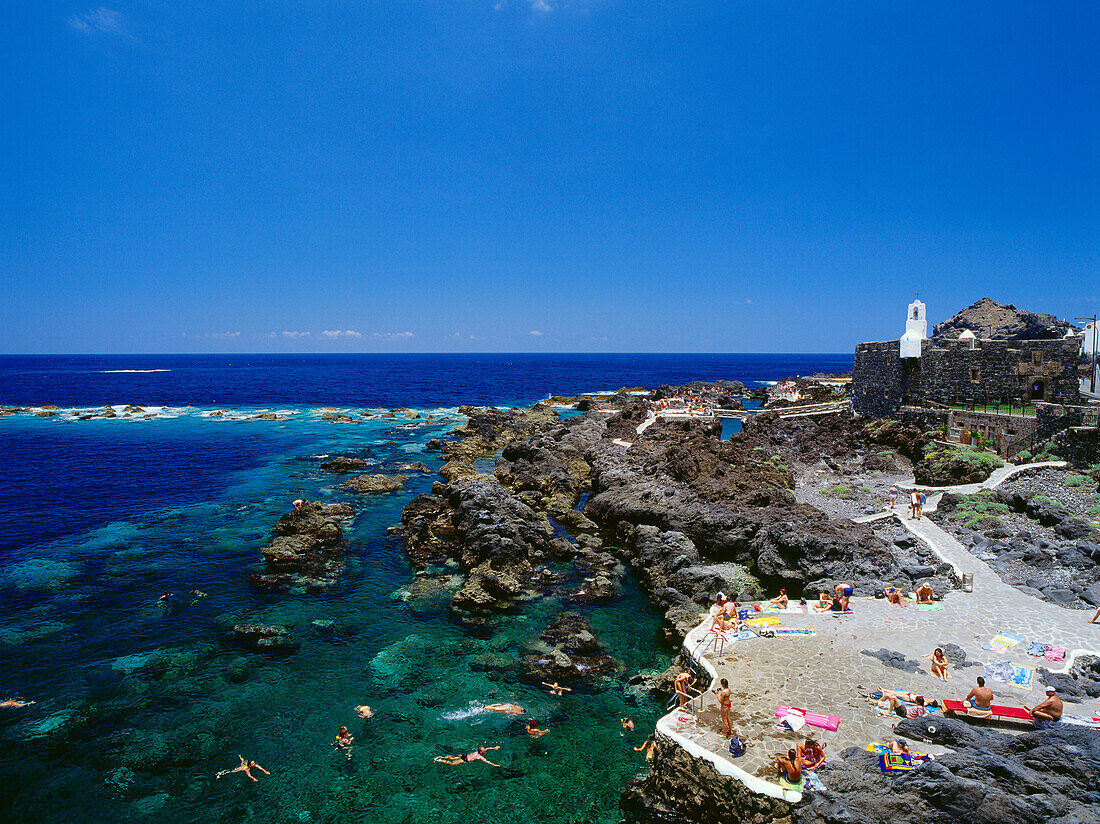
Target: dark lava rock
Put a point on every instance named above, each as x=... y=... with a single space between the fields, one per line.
x=307 y=549
x=433 y=445
x=1082 y=680
x=375 y=484
x=343 y=465
x=999 y=321
x=896 y=660
x=567 y=651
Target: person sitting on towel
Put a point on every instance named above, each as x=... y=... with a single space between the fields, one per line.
x=824 y=603
x=924 y=594
x=895 y=596
x=790 y=770
x=781 y=600
x=981 y=697
x=1047 y=713
x=811 y=754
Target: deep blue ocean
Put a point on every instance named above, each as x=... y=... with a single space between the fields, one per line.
x=140 y=703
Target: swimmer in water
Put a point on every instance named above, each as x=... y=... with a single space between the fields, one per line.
x=648 y=746
x=164 y=597
x=534 y=731
x=343 y=741
x=476 y=755
x=364 y=712
x=507 y=709
x=556 y=688
x=246 y=767
x=628 y=726
x=18 y=701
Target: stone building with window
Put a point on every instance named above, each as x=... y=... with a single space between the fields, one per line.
x=1015 y=364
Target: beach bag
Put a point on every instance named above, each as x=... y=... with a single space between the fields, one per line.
x=737 y=746
x=880 y=594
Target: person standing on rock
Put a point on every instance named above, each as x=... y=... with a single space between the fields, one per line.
x=298 y=506
x=725 y=702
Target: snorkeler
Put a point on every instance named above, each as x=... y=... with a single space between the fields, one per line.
x=343 y=740
x=556 y=688
x=364 y=712
x=507 y=709
x=628 y=726
x=164 y=597
x=246 y=767
x=18 y=701
x=476 y=755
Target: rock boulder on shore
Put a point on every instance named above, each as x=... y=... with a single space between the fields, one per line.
x=375 y=484
x=307 y=550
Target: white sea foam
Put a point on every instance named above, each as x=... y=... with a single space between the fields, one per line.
x=130 y=371
x=472 y=710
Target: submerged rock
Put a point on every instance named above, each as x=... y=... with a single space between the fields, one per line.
x=343 y=465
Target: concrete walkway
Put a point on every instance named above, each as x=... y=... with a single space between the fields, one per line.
x=827 y=671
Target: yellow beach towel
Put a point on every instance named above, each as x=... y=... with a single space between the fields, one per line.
x=766 y=621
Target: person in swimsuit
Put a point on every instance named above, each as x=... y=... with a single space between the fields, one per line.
x=725 y=701
x=899 y=747
x=844 y=593
x=507 y=709
x=164 y=598
x=13 y=703
x=781 y=600
x=298 y=506
x=924 y=594
x=939 y=664
x=534 y=731
x=556 y=688
x=648 y=746
x=914 y=505
x=790 y=770
x=246 y=767
x=981 y=697
x=824 y=603
x=894 y=596
x=343 y=741
x=894 y=495
x=681 y=684
x=364 y=712
x=811 y=755
x=1049 y=712
x=476 y=755
x=628 y=726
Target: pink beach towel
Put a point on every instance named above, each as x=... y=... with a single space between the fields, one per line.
x=815 y=719
x=1055 y=654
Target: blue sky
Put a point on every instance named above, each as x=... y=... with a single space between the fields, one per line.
x=539 y=175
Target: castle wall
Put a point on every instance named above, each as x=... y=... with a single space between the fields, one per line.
x=952 y=372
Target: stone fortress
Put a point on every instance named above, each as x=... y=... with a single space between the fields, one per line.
x=1014 y=358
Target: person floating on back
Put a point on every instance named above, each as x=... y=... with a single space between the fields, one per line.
x=246 y=767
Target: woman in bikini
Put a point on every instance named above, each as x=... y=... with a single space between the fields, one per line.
x=725 y=701
x=939 y=664
x=476 y=755
x=811 y=755
x=534 y=731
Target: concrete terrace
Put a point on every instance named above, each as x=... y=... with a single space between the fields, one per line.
x=826 y=672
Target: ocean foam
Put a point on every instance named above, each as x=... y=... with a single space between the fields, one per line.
x=131 y=371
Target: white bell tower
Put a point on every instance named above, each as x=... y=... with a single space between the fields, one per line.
x=916 y=330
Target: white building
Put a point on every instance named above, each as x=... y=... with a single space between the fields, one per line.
x=916 y=330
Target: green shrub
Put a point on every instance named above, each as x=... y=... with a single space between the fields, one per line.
x=839 y=490
x=1024 y=455
x=1046 y=499
x=886 y=453
x=982 y=522
x=1077 y=480
x=866 y=489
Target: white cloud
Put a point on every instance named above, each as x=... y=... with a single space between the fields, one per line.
x=602 y=339
x=392 y=335
x=295 y=334
x=225 y=335
x=543 y=6
x=333 y=334
x=536 y=333
x=102 y=20
x=476 y=337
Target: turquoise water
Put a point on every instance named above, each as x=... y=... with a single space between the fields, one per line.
x=140 y=704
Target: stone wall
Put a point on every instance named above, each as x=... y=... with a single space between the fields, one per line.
x=1079 y=445
x=1009 y=433
x=954 y=371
